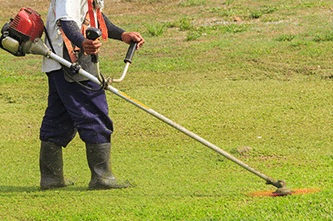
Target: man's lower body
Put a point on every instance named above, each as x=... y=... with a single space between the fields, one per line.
x=74 y=109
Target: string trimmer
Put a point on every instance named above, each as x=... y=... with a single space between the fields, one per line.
x=22 y=35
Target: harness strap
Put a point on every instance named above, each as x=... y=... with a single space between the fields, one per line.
x=100 y=19
x=89 y=20
x=69 y=46
x=85 y=24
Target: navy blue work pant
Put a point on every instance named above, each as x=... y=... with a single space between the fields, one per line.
x=73 y=108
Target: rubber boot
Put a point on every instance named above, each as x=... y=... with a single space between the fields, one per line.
x=98 y=156
x=51 y=166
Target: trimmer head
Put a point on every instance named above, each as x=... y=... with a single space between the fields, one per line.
x=283 y=193
x=283 y=190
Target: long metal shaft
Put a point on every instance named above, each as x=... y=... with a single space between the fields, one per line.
x=268 y=179
x=39 y=48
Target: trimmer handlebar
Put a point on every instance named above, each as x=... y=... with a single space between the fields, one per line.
x=92 y=34
x=130 y=52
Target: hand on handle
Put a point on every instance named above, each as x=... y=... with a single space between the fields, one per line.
x=93 y=34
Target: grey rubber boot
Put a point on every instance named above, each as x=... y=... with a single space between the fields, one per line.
x=98 y=156
x=51 y=166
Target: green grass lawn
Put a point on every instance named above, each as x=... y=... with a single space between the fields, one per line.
x=251 y=75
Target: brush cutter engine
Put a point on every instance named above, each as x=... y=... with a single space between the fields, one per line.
x=18 y=34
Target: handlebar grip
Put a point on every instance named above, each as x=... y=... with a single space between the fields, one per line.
x=130 y=52
x=93 y=33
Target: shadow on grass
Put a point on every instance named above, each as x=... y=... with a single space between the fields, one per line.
x=33 y=189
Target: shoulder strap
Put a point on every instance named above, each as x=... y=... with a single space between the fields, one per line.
x=89 y=20
x=100 y=19
x=68 y=44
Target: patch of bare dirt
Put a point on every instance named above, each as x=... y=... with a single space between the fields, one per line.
x=11 y=7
